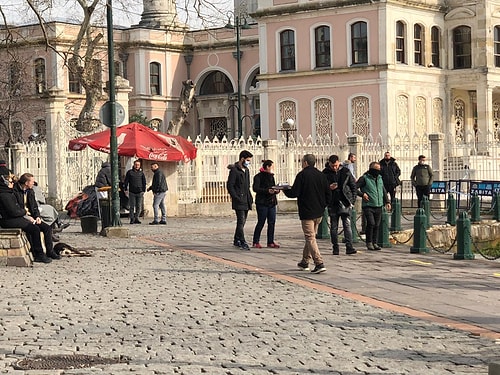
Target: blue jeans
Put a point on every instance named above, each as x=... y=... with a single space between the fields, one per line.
x=334 y=229
x=159 y=203
x=135 y=204
x=265 y=213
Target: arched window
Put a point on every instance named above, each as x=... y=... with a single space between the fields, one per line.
x=360 y=119
x=287 y=50
x=400 y=42
x=435 y=46
x=418 y=43
x=15 y=78
x=74 y=80
x=497 y=46
x=462 y=50
x=322 y=47
x=359 y=43
x=40 y=83
x=40 y=128
x=216 y=83
x=155 y=78
x=17 y=131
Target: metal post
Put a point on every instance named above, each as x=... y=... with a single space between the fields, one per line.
x=475 y=209
x=427 y=210
x=238 y=60
x=463 y=238
x=354 y=229
x=115 y=199
x=496 y=206
x=396 y=215
x=383 y=233
x=451 y=212
x=419 y=233
x=323 y=229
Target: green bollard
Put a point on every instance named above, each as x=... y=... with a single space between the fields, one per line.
x=475 y=209
x=354 y=229
x=463 y=238
x=323 y=228
x=496 y=208
x=451 y=212
x=427 y=209
x=383 y=231
x=419 y=233
x=396 y=216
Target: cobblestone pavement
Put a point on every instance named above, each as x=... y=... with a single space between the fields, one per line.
x=170 y=311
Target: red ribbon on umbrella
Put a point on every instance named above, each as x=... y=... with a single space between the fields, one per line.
x=137 y=140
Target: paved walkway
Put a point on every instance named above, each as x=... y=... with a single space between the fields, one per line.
x=180 y=299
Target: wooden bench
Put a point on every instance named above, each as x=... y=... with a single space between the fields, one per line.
x=15 y=248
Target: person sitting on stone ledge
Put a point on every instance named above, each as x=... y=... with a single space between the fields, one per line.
x=25 y=196
x=14 y=216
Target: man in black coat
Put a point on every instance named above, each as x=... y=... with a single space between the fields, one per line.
x=159 y=188
x=390 y=172
x=14 y=216
x=313 y=195
x=238 y=186
x=344 y=191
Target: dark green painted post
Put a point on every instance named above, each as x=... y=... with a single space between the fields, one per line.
x=323 y=228
x=475 y=209
x=451 y=212
x=354 y=229
x=383 y=232
x=396 y=215
x=496 y=208
x=419 y=233
x=463 y=238
x=427 y=210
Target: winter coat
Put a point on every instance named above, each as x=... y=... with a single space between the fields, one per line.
x=312 y=192
x=262 y=182
x=104 y=175
x=135 y=181
x=374 y=187
x=31 y=203
x=390 y=172
x=421 y=175
x=346 y=189
x=238 y=186
x=12 y=215
x=159 y=183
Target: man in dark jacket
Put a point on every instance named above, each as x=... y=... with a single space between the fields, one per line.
x=343 y=188
x=135 y=183
x=25 y=198
x=103 y=177
x=238 y=186
x=313 y=195
x=159 y=188
x=390 y=172
x=421 y=178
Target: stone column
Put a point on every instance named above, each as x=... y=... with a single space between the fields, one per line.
x=271 y=149
x=55 y=110
x=484 y=105
x=123 y=90
x=437 y=155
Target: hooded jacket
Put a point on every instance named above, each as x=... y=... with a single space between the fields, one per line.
x=346 y=190
x=238 y=186
x=262 y=182
x=390 y=172
x=104 y=175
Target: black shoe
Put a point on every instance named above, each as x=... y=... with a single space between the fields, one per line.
x=335 y=251
x=244 y=246
x=55 y=238
x=376 y=247
x=136 y=221
x=154 y=223
x=319 y=268
x=54 y=255
x=163 y=222
x=303 y=266
x=132 y=221
x=369 y=246
x=350 y=251
x=237 y=243
x=42 y=258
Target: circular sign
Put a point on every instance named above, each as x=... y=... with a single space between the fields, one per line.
x=105 y=114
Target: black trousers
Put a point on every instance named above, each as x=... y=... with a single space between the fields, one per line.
x=241 y=219
x=421 y=191
x=33 y=233
x=373 y=218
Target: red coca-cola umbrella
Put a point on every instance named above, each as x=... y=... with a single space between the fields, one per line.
x=137 y=140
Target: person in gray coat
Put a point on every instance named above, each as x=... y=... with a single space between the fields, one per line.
x=421 y=178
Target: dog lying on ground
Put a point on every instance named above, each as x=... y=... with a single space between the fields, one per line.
x=63 y=249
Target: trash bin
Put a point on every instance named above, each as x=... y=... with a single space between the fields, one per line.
x=89 y=224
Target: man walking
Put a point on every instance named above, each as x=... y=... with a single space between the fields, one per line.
x=159 y=188
x=371 y=189
x=390 y=172
x=422 y=177
x=313 y=195
x=343 y=187
x=238 y=186
x=135 y=184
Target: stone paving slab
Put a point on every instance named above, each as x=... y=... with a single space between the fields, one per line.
x=171 y=311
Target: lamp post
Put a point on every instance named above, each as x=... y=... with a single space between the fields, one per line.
x=115 y=200
x=288 y=126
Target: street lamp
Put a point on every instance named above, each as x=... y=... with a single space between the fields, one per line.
x=238 y=26
x=288 y=126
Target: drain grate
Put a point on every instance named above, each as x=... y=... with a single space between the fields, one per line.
x=64 y=362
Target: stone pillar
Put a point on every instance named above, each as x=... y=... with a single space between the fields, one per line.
x=271 y=149
x=484 y=105
x=355 y=143
x=54 y=109
x=437 y=155
x=123 y=90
